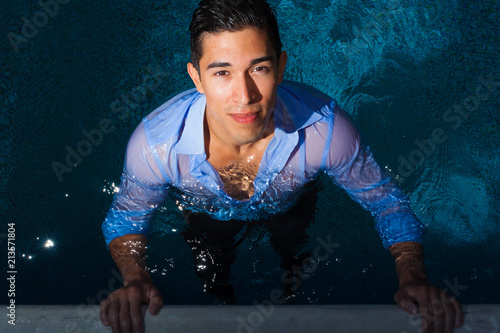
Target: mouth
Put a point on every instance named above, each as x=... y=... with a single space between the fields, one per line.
x=245 y=118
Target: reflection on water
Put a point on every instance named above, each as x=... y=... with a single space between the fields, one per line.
x=455 y=207
x=397 y=67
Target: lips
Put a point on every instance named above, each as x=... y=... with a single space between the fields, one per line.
x=245 y=118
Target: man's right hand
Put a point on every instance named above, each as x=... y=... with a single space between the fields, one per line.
x=122 y=310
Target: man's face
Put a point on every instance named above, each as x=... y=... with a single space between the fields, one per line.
x=239 y=76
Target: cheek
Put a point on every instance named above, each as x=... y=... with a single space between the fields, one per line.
x=217 y=102
x=217 y=94
x=217 y=108
x=270 y=95
x=268 y=88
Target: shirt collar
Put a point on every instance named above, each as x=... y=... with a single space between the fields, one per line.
x=192 y=141
x=292 y=113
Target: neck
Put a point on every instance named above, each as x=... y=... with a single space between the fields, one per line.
x=214 y=145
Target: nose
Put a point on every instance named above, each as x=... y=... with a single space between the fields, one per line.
x=245 y=90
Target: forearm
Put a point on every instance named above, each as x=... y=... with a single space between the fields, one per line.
x=409 y=260
x=129 y=254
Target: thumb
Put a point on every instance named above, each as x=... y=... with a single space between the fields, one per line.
x=406 y=302
x=155 y=301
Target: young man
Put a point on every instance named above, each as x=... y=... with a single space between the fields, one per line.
x=242 y=146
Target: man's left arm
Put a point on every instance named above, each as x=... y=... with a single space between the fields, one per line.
x=351 y=166
x=440 y=312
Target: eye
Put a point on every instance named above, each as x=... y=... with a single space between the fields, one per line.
x=261 y=69
x=221 y=73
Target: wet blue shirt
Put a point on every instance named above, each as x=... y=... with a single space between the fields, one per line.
x=166 y=157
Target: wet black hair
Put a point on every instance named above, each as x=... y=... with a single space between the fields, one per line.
x=213 y=16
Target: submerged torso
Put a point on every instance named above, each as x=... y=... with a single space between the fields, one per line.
x=311 y=135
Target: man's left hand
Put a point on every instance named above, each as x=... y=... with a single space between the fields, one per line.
x=440 y=312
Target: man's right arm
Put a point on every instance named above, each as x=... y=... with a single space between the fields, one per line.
x=141 y=192
x=122 y=309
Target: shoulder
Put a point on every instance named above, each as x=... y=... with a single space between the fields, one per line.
x=307 y=96
x=334 y=130
x=163 y=125
x=174 y=108
x=166 y=120
x=318 y=102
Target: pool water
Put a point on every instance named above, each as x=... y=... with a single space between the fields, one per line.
x=421 y=79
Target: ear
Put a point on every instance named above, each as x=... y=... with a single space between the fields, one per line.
x=282 y=65
x=195 y=76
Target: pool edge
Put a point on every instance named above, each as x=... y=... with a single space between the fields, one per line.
x=264 y=317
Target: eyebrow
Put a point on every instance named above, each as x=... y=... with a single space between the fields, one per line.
x=227 y=64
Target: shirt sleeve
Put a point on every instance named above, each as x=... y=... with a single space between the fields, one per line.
x=142 y=190
x=351 y=165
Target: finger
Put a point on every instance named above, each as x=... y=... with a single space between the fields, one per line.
x=450 y=311
x=438 y=314
x=155 y=301
x=449 y=321
x=406 y=302
x=103 y=312
x=114 y=319
x=125 y=321
x=426 y=314
x=136 y=315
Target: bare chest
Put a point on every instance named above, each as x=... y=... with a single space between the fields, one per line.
x=238 y=171
x=238 y=178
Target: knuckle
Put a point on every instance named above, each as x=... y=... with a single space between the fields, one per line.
x=135 y=312
x=124 y=322
x=133 y=289
x=104 y=305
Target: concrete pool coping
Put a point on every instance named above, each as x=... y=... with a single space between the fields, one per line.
x=247 y=319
